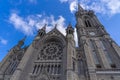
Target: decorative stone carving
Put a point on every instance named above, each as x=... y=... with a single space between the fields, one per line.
x=51 y=51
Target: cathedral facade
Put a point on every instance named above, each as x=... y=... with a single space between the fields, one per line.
x=53 y=56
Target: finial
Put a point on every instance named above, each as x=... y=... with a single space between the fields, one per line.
x=55 y=26
x=44 y=27
x=69 y=25
x=80 y=8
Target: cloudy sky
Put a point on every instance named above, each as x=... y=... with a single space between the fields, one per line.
x=19 y=18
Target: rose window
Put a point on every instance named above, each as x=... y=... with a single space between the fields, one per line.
x=50 y=51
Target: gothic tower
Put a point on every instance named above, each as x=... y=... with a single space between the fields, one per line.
x=100 y=55
x=54 y=56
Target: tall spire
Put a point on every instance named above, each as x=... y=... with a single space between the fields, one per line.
x=80 y=8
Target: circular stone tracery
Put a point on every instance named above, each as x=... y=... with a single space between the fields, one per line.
x=50 y=51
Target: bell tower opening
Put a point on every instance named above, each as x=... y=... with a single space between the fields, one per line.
x=87 y=23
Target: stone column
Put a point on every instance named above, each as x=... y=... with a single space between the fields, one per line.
x=89 y=60
x=88 y=54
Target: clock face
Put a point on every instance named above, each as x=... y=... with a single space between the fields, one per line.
x=92 y=33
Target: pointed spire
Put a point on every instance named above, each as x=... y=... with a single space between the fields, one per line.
x=42 y=31
x=80 y=8
x=55 y=26
x=44 y=27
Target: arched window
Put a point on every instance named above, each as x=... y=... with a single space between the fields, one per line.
x=48 y=68
x=94 y=53
x=87 y=23
x=107 y=54
x=34 y=69
x=38 y=67
x=55 y=69
x=73 y=65
x=59 y=68
x=81 y=67
x=12 y=67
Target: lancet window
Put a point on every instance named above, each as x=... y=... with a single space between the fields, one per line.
x=49 y=68
x=87 y=23
x=95 y=54
x=107 y=54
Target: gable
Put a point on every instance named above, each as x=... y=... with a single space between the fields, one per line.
x=54 y=35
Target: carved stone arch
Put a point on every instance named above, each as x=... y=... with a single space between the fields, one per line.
x=87 y=20
x=56 y=34
x=54 y=39
x=53 y=35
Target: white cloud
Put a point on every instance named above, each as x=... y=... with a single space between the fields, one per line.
x=34 y=22
x=112 y=5
x=51 y=22
x=63 y=1
x=3 y=41
x=73 y=6
x=61 y=25
x=109 y=7
x=20 y=24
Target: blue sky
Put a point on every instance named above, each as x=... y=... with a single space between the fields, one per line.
x=19 y=18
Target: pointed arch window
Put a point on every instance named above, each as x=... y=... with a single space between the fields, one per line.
x=73 y=65
x=48 y=68
x=81 y=69
x=38 y=67
x=12 y=67
x=107 y=54
x=59 y=68
x=102 y=46
x=94 y=53
x=87 y=23
x=34 y=69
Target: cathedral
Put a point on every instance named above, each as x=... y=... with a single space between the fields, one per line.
x=53 y=56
